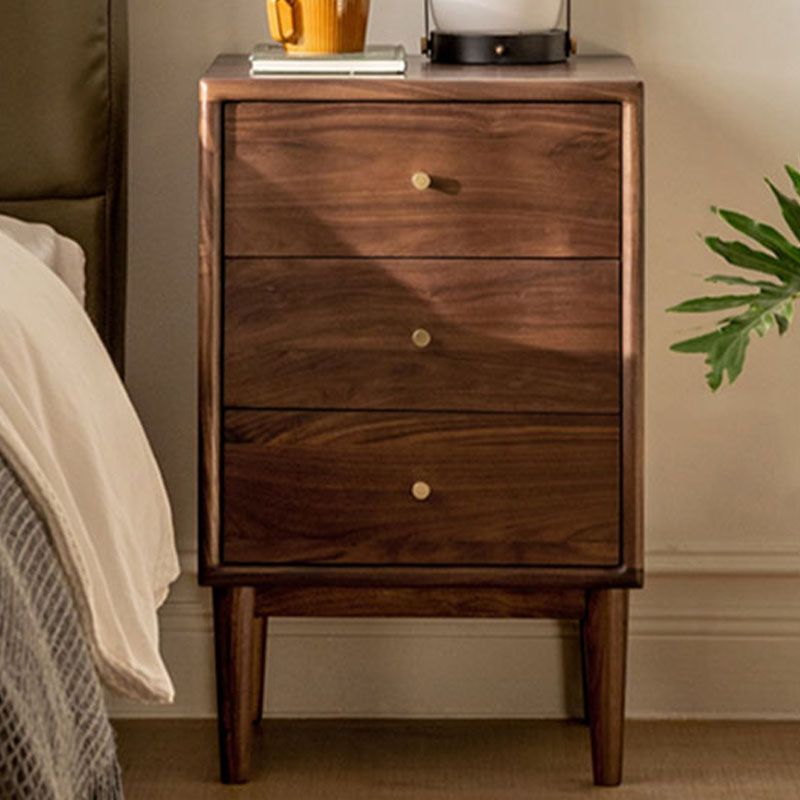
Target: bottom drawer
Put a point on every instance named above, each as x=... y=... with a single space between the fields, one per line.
x=369 y=488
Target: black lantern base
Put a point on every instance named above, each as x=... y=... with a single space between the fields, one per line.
x=542 y=47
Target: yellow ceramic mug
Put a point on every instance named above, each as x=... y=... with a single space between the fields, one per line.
x=319 y=26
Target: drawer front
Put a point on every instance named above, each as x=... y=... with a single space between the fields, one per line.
x=328 y=488
x=335 y=179
x=435 y=335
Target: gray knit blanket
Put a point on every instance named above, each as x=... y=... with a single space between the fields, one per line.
x=56 y=742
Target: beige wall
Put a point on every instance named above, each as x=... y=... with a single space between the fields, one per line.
x=717 y=632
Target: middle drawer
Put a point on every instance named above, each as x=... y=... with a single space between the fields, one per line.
x=422 y=335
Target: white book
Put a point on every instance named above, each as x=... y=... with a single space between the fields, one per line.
x=267 y=59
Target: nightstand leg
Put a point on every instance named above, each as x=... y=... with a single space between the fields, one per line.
x=233 y=634
x=584 y=672
x=259 y=664
x=605 y=640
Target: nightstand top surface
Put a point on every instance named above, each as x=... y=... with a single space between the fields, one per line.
x=583 y=78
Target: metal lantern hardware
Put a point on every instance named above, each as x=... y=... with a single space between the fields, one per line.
x=527 y=47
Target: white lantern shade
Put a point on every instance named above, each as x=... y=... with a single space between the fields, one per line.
x=495 y=16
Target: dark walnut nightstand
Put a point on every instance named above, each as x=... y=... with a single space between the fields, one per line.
x=420 y=359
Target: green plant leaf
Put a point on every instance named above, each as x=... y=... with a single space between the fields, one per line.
x=772 y=306
x=794 y=175
x=735 y=280
x=784 y=318
x=763 y=324
x=699 y=344
x=790 y=208
x=740 y=255
x=703 y=304
x=767 y=236
x=725 y=350
x=729 y=357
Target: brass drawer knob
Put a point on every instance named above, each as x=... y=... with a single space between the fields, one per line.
x=421 y=338
x=421 y=491
x=421 y=181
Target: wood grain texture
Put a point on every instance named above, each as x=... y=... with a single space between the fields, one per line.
x=527 y=512
x=209 y=334
x=505 y=336
x=334 y=179
x=259 y=662
x=584 y=670
x=583 y=79
x=465 y=578
x=605 y=641
x=633 y=304
x=325 y=488
x=233 y=634
x=318 y=601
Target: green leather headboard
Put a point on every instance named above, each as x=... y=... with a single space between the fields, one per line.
x=63 y=134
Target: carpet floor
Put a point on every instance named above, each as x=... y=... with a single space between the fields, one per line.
x=369 y=760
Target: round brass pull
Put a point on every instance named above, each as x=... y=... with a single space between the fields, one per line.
x=421 y=491
x=421 y=338
x=421 y=181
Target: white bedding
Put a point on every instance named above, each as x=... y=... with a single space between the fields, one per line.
x=62 y=255
x=69 y=430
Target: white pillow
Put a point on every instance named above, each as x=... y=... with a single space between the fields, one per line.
x=63 y=255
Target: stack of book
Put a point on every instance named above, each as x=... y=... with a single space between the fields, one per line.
x=268 y=59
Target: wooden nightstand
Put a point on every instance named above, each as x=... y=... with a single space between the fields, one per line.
x=420 y=347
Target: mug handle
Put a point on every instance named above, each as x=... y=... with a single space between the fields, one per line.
x=275 y=24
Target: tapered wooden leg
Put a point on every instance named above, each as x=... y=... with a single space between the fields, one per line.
x=584 y=672
x=605 y=635
x=259 y=662
x=233 y=634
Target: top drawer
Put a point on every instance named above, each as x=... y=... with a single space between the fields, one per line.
x=507 y=180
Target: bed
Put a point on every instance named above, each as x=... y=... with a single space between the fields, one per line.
x=63 y=136
x=86 y=542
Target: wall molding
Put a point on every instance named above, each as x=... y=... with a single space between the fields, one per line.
x=190 y=607
x=778 y=622
x=753 y=563
x=714 y=635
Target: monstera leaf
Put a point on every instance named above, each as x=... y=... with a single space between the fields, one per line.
x=766 y=301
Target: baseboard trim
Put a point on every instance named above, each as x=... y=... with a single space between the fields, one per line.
x=781 y=623
x=746 y=563
x=713 y=636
